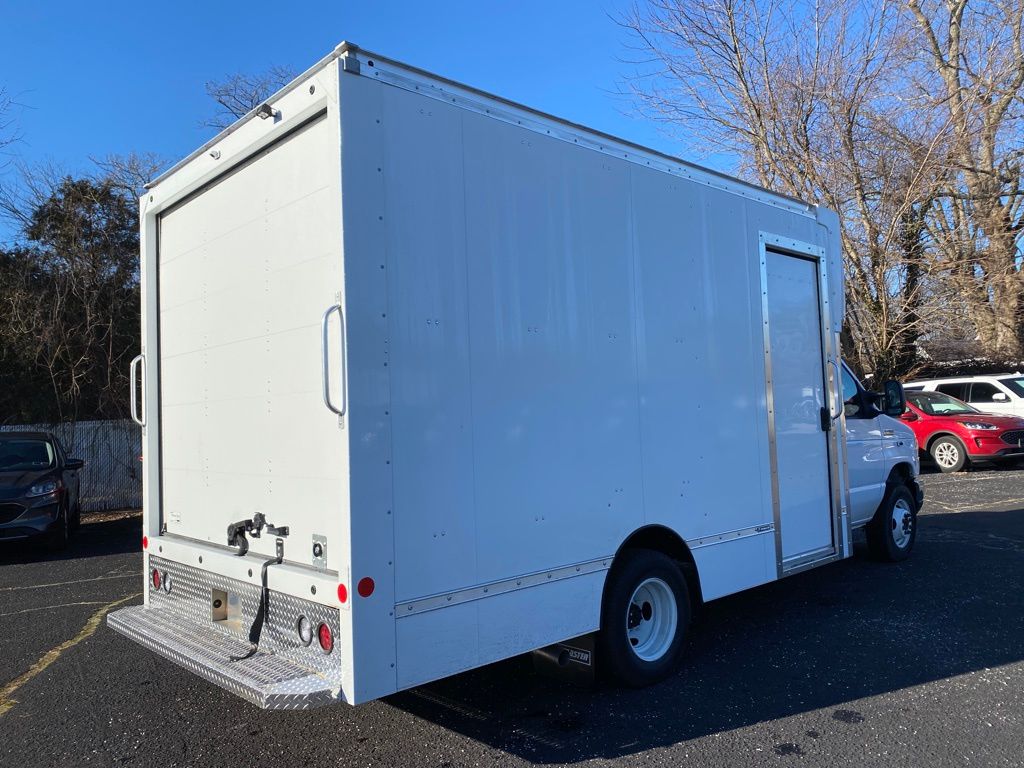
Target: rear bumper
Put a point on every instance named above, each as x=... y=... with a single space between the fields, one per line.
x=200 y=620
x=266 y=679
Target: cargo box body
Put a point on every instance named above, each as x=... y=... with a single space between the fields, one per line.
x=464 y=352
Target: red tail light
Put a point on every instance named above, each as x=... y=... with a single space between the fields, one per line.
x=156 y=579
x=325 y=637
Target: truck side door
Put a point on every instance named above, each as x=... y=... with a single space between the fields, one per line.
x=864 y=451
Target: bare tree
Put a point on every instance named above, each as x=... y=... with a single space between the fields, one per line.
x=905 y=117
x=68 y=297
x=131 y=172
x=237 y=95
x=8 y=134
x=806 y=98
x=970 y=70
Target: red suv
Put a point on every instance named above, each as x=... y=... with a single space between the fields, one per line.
x=953 y=433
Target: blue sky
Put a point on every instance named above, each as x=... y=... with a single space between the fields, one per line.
x=113 y=77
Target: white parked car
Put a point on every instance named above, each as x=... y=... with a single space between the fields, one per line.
x=996 y=393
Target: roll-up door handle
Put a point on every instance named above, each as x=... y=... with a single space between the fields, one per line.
x=139 y=417
x=326 y=360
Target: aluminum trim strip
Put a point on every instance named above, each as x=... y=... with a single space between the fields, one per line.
x=741 y=533
x=832 y=558
x=410 y=77
x=421 y=605
x=807 y=557
x=457 y=597
x=773 y=463
x=466 y=97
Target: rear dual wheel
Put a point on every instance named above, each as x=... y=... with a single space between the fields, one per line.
x=644 y=618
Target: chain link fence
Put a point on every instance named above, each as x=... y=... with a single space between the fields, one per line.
x=112 y=476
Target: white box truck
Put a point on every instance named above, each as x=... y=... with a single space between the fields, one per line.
x=430 y=379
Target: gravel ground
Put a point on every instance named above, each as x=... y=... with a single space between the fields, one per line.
x=857 y=663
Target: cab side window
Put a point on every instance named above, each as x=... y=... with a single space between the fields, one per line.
x=852 y=405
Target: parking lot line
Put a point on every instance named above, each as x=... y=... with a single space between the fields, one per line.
x=6 y=693
x=51 y=607
x=65 y=583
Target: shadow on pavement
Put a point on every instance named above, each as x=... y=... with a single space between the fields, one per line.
x=821 y=639
x=101 y=534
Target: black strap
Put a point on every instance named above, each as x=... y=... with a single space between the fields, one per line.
x=261 y=613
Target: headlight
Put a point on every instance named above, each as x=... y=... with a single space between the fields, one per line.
x=979 y=425
x=44 y=488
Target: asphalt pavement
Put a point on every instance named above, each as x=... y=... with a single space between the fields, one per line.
x=857 y=663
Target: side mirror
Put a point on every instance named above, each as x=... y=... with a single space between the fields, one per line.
x=74 y=464
x=909 y=416
x=895 y=401
x=999 y=397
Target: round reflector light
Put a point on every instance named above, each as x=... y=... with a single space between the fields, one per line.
x=365 y=586
x=342 y=593
x=156 y=579
x=145 y=542
x=305 y=630
x=325 y=637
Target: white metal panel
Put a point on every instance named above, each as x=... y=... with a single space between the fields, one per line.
x=247 y=267
x=798 y=395
x=432 y=408
x=438 y=643
x=701 y=363
x=552 y=331
x=365 y=220
x=732 y=566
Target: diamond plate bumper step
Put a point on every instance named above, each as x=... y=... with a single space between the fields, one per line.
x=265 y=679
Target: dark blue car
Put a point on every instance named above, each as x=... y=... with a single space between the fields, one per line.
x=39 y=488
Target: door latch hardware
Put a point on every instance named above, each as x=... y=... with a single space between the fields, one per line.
x=254 y=527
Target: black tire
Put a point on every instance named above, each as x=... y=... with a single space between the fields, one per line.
x=60 y=535
x=893 y=530
x=615 y=648
x=946 y=448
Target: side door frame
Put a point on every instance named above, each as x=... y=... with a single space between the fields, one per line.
x=838 y=488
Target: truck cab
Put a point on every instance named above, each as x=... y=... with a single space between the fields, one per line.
x=881 y=451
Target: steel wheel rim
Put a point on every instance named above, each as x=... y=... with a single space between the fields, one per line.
x=651 y=619
x=946 y=455
x=902 y=524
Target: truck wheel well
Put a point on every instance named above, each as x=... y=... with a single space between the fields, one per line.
x=900 y=474
x=665 y=540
